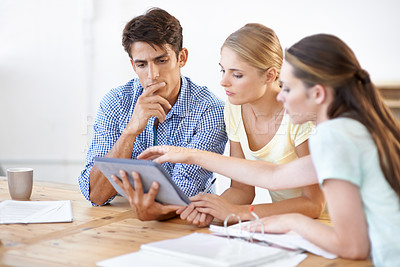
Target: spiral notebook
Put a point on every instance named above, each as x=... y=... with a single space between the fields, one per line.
x=216 y=251
x=290 y=240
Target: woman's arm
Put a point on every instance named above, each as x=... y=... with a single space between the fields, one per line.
x=311 y=203
x=232 y=199
x=348 y=238
x=238 y=193
x=297 y=173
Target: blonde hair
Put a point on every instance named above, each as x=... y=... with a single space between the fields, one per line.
x=258 y=46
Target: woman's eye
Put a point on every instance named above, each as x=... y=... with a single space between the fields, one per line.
x=237 y=76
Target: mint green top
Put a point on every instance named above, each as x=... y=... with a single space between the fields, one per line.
x=344 y=149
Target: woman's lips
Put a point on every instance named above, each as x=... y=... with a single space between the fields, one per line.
x=228 y=93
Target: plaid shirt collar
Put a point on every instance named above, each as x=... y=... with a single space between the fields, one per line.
x=182 y=105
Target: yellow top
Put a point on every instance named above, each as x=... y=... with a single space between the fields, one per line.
x=281 y=149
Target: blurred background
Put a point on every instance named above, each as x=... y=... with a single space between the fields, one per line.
x=59 y=57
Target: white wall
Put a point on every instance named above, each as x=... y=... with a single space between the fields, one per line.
x=58 y=57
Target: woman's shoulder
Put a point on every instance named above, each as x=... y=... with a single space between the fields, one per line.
x=232 y=112
x=298 y=132
x=344 y=126
x=344 y=131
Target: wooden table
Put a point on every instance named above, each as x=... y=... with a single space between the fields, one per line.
x=97 y=233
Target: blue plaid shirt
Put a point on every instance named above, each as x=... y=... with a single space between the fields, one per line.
x=195 y=121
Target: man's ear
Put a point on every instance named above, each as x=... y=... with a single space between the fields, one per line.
x=271 y=75
x=319 y=93
x=183 y=57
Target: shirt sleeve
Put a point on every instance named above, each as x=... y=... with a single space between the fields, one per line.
x=211 y=136
x=335 y=156
x=301 y=132
x=105 y=134
x=232 y=117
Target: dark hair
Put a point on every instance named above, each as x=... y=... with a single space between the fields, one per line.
x=325 y=59
x=156 y=27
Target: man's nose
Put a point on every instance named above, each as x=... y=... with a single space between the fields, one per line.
x=153 y=72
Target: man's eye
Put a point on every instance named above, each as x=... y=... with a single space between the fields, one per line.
x=162 y=61
x=141 y=65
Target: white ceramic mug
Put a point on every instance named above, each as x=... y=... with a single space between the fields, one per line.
x=20 y=181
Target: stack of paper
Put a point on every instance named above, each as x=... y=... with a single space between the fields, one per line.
x=12 y=211
x=206 y=250
x=289 y=240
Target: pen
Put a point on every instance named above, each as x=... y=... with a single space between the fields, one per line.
x=209 y=186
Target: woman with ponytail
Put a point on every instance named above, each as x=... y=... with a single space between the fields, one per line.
x=355 y=152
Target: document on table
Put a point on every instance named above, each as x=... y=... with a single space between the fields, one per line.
x=289 y=240
x=206 y=250
x=153 y=259
x=12 y=211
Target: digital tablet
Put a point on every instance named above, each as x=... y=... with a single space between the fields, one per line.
x=168 y=192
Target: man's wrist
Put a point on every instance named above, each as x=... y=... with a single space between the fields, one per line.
x=166 y=216
x=129 y=133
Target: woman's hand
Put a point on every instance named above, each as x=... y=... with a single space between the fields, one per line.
x=277 y=224
x=215 y=206
x=174 y=154
x=195 y=217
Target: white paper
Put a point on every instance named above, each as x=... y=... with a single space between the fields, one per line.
x=205 y=250
x=13 y=211
x=153 y=259
x=290 y=240
x=212 y=250
x=145 y=258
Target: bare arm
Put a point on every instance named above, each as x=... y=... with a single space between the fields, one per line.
x=238 y=193
x=311 y=203
x=348 y=238
x=297 y=173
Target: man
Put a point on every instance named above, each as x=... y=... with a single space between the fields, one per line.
x=159 y=107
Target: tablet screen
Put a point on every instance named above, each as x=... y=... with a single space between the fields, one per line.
x=168 y=192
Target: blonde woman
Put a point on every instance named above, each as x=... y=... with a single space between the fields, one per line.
x=258 y=129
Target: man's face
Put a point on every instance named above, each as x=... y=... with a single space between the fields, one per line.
x=158 y=64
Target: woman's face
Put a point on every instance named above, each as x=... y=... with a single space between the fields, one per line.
x=242 y=83
x=294 y=97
